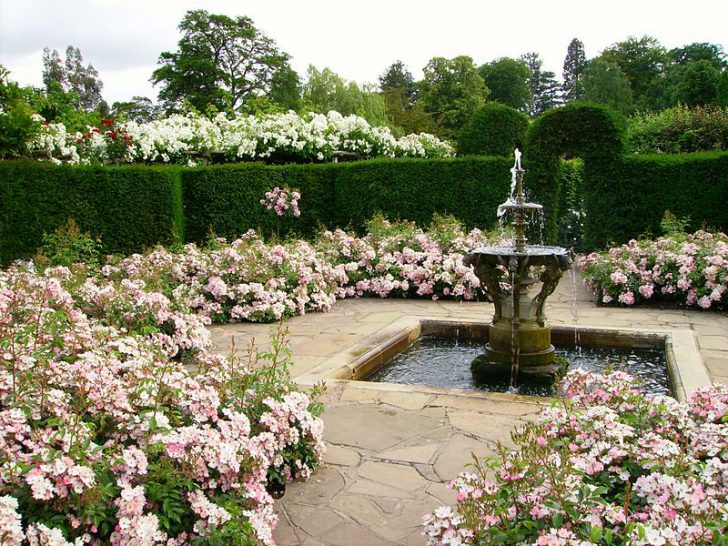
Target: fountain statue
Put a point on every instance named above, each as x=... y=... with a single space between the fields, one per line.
x=519 y=340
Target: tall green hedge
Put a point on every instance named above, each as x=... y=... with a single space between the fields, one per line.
x=591 y=132
x=226 y=199
x=632 y=197
x=128 y=207
x=469 y=188
x=624 y=196
x=495 y=129
x=138 y=206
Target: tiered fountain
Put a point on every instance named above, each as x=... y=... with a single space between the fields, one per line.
x=519 y=340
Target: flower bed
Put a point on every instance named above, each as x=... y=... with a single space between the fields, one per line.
x=688 y=269
x=181 y=139
x=248 y=279
x=608 y=466
x=118 y=426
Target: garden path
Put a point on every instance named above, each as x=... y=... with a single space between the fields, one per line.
x=392 y=448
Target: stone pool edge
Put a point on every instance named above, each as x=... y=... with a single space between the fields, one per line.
x=686 y=367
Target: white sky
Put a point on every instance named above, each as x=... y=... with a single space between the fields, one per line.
x=358 y=40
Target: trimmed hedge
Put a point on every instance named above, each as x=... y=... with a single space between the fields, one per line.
x=413 y=189
x=592 y=132
x=634 y=195
x=494 y=130
x=624 y=196
x=225 y=199
x=134 y=207
x=128 y=207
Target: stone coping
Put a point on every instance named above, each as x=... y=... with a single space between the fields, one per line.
x=686 y=368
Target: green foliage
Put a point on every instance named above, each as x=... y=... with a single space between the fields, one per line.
x=495 y=130
x=129 y=208
x=17 y=125
x=544 y=87
x=220 y=61
x=604 y=83
x=573 y=70
x=81 y=83
x=591 y=132
x=700 y=51
x=672 y=225
x=469 y=188
x=397 y=76
x=405 y=118
x=571 y=204
x=642 y=60
x=631 y=199
x=225 y=199
x=697 y=84
x=139 y=109
x=451 y=91
x=508 y=80
x=67 y=246
x=325 y=90
x=680 y=129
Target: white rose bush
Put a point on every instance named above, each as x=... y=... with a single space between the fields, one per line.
x=182 y=139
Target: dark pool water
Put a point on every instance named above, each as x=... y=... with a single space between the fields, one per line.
x=445 y=362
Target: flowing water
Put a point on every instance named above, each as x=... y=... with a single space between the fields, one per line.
x=445 y=362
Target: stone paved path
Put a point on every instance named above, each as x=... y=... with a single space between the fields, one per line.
x=392 y=448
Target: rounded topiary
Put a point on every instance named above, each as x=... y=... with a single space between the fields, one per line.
x=495 y=130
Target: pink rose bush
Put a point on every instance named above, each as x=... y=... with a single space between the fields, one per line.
x=688 y=269
x=119 y=426
x=603 y=466
x=281 y=200
x=251 y=280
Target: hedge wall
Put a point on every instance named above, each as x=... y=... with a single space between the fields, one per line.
x=128 y=207
x=591 y=132
x=138 y=206
x=469 y=188
x=637 y=190
x=624 y=196
x=225 y=199
x=495 y=130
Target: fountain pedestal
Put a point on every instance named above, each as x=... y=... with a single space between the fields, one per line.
x=519 y=334
x=519 y=341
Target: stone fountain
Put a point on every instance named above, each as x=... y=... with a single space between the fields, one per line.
x=519 y=339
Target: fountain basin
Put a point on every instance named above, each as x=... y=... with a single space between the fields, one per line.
x=685 y=365
x=442 y=353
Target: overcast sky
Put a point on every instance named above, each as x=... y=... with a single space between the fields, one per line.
x=358 y=40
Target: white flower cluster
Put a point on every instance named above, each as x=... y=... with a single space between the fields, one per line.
x=290 y=137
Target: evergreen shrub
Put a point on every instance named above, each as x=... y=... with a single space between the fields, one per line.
x=494 y=130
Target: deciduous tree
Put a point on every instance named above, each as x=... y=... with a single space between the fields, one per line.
x=451 y=91
x=508 y=80
x=221 y=61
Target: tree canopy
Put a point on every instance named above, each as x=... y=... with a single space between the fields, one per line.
x=451 y=91
x=221 y=61
x=605 y=83
x=508 y=80
x=573 y=69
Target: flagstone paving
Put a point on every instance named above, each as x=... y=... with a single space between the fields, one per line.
x=392 y=448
